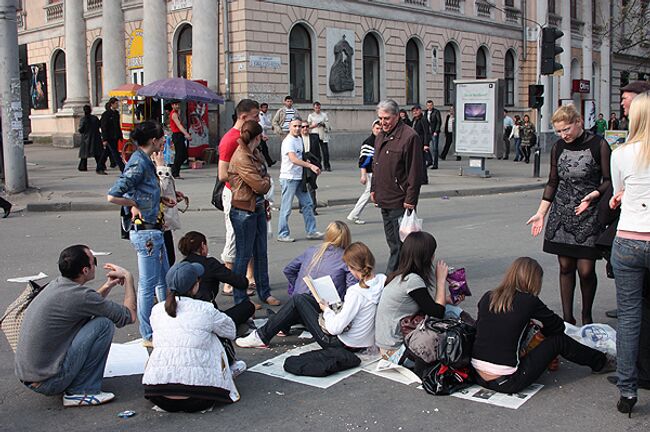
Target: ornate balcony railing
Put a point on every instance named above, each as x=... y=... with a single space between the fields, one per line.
x=452 y=5
x=423 y=3
x=554 y=19
x=92 y=5
x=21 y=16
x=54 y=11
x=483 y=9
x=512 y=15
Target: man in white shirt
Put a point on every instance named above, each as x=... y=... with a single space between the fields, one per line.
x=291 y=169
x=265 y=122
x=319 y=125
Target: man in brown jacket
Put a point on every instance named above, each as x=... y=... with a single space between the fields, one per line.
x=397 y=174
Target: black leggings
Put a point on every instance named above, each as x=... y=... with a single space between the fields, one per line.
x=180 y=155
x=533 y=365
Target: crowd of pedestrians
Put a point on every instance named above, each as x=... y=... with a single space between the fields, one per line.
x=67 y=329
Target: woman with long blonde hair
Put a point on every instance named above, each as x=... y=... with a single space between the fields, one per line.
x=579 y=176
x=323 y=260
x=631 y=248
x=503 y=315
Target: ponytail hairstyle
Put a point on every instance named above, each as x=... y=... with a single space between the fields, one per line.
x=191 y=243
x=170 y=304
x=358 y=257
x=145 y=131
x=250 y=130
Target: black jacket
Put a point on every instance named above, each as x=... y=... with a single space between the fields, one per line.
x=312 y=156
x=215 y=273
x=421 y=127
x=91 y=140
x=435 y=123
x=110 y=123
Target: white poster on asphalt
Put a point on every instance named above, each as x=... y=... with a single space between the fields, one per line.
x=513 y=401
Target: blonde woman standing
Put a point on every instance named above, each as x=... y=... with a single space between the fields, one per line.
x=631 y=248
x=579 y=176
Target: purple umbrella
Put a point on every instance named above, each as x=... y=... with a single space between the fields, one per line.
x=181 y=89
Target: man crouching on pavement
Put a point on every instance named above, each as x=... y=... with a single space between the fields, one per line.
x=68 y=328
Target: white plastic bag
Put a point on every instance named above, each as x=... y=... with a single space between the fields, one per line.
x=168 y=190
x=410 y=223
x=597 y=336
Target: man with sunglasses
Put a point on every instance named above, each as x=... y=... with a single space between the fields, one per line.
x=67 y=330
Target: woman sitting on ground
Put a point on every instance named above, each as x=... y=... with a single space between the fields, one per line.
x=411 y=289
x=188 y=368
x=352 y=327
x=503 y=315
x=323 y=260
x=194 y=246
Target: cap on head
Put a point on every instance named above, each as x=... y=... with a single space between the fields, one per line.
x=182 y=276
x=416 y=106
x=637 y=87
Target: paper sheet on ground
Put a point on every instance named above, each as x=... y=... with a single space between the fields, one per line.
x=24 y=279
x=275 y=367
x=513 y=401
x=126 y=359
x=393 y=372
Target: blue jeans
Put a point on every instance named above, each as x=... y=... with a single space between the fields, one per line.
x=291 y=188
x=152 y=269
x=433 y=149
x=518 y=154
x=250 y=241
x=630 y=259
x=82 y=369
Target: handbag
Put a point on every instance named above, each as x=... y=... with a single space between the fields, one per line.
x=13 y=317
x=217 y=194
x=442 y=380
x=446 y=341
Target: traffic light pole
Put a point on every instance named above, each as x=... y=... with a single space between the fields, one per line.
x=15 y=171
x=537 y=155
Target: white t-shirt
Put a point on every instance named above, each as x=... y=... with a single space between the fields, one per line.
x=635 y=180
x=289 y=170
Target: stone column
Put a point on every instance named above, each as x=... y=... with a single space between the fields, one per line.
x=155 y=40
x=605 y=59
x=204 y=41
x=565 y=57
x=76 y=59
x=587 y=46
x=113 y=48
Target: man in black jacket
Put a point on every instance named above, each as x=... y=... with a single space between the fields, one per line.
x=421 y=127
x=435 y=123
x=111 y=135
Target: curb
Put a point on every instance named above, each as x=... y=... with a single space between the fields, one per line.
x=70 y=206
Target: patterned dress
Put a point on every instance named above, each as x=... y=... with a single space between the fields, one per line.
x=577 y=169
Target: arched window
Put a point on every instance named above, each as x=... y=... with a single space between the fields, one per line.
x=450 y=74
x=98 y=84
x=412 y=72
x=59 y=80
x=300 y=64
x=481 y=64
x=509 y=76
x=184 y=52
x=370 y=70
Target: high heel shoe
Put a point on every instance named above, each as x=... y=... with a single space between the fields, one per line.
x=625 y=405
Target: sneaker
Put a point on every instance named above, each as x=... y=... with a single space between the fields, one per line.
x=317 y=235
x=237 y=368
x=286 y=239
x=356 y=220
x=250 y=341
x=147 y=343
x=86 y=399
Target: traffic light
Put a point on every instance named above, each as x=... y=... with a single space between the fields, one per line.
x=550 y=35
x=535 y=96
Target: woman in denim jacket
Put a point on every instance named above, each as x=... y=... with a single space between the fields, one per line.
x=138 y=188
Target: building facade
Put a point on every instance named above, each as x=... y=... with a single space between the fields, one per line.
x=346 y=54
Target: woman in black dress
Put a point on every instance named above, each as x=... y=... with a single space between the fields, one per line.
x=579 y=176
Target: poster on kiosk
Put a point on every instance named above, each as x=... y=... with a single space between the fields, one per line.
x=479 y=119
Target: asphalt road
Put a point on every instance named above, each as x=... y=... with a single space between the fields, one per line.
x=483 y=234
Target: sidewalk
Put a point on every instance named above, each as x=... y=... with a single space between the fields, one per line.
x=56 y=185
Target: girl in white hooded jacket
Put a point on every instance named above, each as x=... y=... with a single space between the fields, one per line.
x=352 y=327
